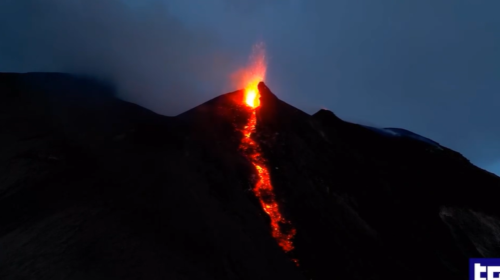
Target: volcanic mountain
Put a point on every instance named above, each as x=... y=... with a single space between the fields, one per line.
x=93 y=187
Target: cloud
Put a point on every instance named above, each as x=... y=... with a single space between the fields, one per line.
x=154 y=59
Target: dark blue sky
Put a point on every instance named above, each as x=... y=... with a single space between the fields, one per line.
x=430 y=66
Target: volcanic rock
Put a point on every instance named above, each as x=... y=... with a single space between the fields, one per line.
x=93 y=187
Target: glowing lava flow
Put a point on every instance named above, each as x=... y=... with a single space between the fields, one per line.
x=263 y=189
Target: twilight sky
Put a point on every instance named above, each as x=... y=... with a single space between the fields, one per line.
x=430 y=66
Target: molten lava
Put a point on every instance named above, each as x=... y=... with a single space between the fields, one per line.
x=252 y=97
x=263 y=188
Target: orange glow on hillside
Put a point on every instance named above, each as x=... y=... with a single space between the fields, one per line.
x=263 y=188
x=252 y=97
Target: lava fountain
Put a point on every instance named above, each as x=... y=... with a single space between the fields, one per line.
x=263 y=188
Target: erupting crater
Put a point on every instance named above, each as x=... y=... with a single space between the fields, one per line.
x=282 y=229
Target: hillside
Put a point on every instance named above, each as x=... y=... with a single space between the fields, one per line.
x=92 y=187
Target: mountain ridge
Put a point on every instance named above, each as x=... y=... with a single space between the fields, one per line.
x=94 y=187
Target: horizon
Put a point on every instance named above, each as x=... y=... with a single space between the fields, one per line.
x=428 y=67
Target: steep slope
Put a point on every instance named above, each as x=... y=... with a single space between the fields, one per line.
x=96 y=188
x=92 y=187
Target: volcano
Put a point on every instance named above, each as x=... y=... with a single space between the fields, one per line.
x=93 y=187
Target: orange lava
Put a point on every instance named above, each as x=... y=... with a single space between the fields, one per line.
x=263 y=189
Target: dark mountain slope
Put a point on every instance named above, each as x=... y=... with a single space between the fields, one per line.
x=92 y=187
x=103 y=189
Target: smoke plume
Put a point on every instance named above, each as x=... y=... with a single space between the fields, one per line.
x=151 y=57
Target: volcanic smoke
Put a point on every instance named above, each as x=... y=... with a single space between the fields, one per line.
x=263 y=188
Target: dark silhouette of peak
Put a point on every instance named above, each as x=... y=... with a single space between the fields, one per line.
x=326 y=116
x=97 y=188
